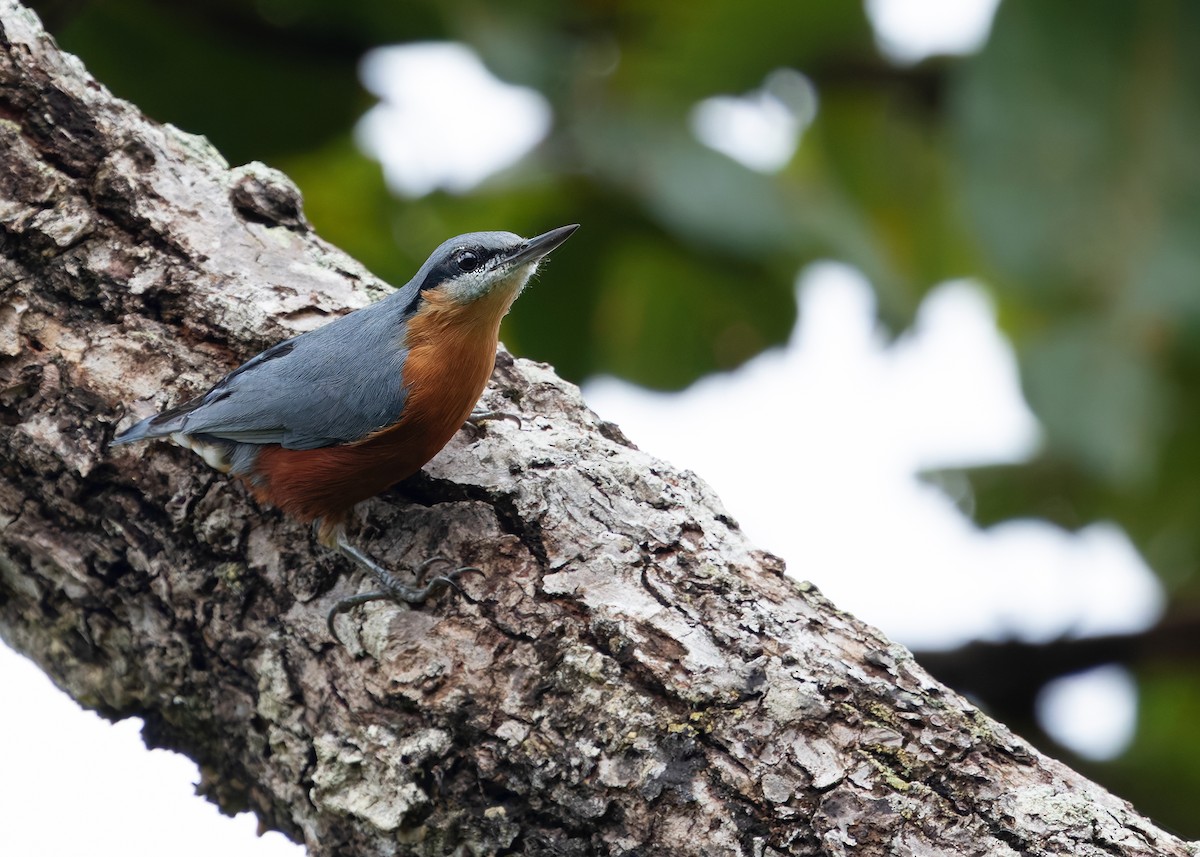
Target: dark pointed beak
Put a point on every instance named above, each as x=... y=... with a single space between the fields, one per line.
x=536 y=248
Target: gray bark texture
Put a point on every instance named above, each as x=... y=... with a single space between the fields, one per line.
x=630 y=676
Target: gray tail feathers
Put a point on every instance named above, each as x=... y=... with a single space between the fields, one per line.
x=142 y=431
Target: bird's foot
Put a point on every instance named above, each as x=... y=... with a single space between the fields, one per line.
x=480 y=416
x=392 y=589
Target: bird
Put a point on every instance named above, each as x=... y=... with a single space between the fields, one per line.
x=320 y=422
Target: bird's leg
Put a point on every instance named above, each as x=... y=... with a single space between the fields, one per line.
x=479 y=415
x=390 y=588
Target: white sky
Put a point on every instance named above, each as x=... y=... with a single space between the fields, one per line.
x=1067 y=709
x=443 y=121
x=762 y=129
x=841 y=421
x=908 y=31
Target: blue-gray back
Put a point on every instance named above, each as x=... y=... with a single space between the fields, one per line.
x=332 y=385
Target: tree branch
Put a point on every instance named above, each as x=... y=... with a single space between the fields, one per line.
x=631 y=676
x=1009 y=674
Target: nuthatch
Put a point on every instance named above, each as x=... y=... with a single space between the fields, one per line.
x=324 y=420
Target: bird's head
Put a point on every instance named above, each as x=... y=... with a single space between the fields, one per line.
x=478 y=264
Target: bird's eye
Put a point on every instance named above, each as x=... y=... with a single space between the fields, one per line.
x=468 y=260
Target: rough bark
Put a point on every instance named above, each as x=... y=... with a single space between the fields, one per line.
x=631 y=676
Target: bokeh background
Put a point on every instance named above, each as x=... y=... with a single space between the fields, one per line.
x=914 y=283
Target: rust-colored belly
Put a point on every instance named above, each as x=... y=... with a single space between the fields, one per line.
x=327 y=482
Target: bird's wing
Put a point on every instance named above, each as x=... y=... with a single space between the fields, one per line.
x=332 y=385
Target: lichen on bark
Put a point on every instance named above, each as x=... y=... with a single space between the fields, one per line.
x=631 y=676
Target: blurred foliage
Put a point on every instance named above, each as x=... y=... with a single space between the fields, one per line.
x=1159 y=769
x=1060 y=165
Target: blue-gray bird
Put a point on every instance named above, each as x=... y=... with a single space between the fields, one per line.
x=324 y=420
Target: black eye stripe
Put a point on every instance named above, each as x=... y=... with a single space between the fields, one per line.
x=450 y=267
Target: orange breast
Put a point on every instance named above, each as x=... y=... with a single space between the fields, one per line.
x=451 y=352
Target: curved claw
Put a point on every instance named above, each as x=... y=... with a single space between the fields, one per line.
x=427 y=564
x=347 y=604
x=450 y=578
